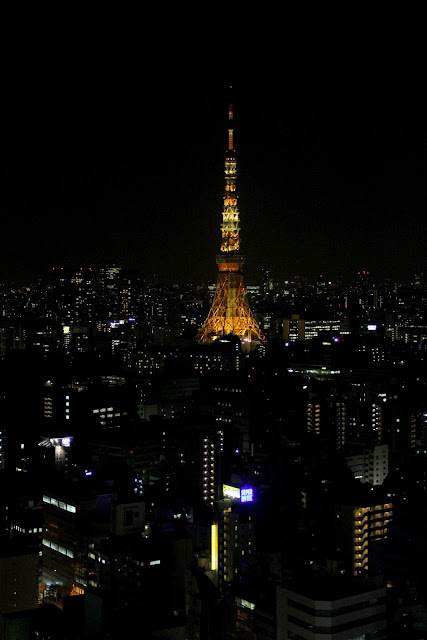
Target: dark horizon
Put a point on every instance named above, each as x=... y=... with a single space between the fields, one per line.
x=330 y=177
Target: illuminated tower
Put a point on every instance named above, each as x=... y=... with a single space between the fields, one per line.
x=230 y=312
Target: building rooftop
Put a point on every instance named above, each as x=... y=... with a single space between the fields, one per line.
x=332 y=588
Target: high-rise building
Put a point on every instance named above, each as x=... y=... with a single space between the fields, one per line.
x=331 y=608
x=313 y=417
x=74 y=294
x=369 y=464
x=18 y=583
x=230 y=312
x=233 y=533
x=359 y=526
x=237 y=534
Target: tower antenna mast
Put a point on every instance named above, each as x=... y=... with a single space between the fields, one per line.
x=230 y=312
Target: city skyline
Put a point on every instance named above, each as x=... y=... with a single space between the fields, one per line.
x=154 y=480
x=329 y=177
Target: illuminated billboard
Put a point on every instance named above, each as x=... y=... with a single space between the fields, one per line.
x=214 y=547
x=230 y=492
x=246 y=494
x=62 y=442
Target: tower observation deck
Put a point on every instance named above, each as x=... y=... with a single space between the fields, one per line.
x=230 y=312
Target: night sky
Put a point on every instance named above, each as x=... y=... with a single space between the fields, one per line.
x=106 y=164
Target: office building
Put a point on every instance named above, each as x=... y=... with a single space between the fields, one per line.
x=331 y=608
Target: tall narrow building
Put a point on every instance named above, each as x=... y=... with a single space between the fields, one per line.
x=230 y=312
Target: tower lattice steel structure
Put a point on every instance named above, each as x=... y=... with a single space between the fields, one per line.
x=230 y=312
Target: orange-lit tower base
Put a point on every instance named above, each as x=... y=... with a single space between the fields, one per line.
x=230 y=312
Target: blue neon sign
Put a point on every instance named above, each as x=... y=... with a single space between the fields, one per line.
x=246 y=494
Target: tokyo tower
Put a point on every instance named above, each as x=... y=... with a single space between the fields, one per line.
x=230 y=312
